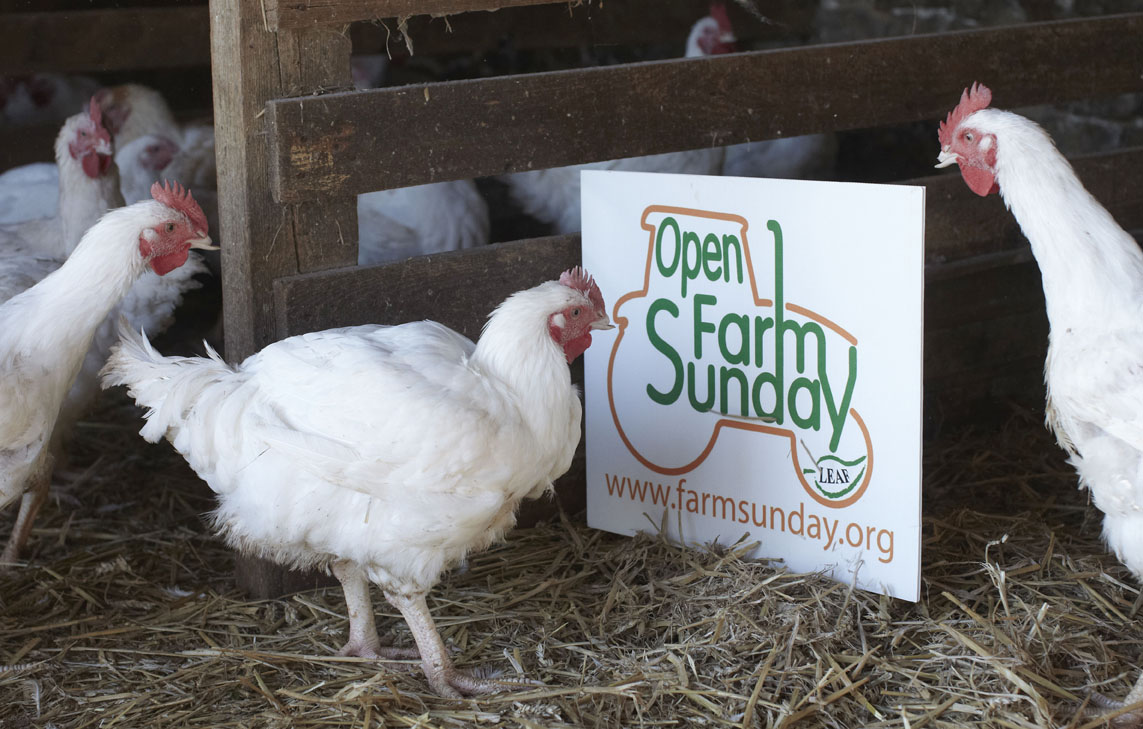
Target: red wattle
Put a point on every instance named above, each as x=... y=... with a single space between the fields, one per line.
x=979 y=180
x=577 y=346
x=91 y=165
x=163 y=265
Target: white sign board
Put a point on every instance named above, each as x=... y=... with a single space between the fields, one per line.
x=765 y=373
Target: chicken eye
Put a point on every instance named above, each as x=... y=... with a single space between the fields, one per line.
x=968 y=136
x=575 y=311
x=170 y=227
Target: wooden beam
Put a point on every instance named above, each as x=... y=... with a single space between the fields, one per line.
x=257 y=234
x=350 y=143
x=104 y=40
x=325 y=231
x=592 y=24
x=458 y=288
x=304 y=13
x=262 y=240
x=964 y=234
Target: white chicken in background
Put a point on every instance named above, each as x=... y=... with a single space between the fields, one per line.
x=88 y=186
x=133 y=110
x=29 y=192
x=168 y=150
x=46 y=331
x=392 y=224
x=42 y=98
x=88 y=183
x=552 y=195
x=1092 y=274
x=384 y=454
x=151 y=158
x=412 y=221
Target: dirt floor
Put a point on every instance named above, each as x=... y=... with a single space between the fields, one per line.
x=125 y=615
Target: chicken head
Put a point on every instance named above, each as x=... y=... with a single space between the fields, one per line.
x=713 y=35
x=967 y=146
x=571 y=327
x=92 y=143
x=165 y=246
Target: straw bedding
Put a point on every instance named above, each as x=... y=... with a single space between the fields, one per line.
x=126 y=616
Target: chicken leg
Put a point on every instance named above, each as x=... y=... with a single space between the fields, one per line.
x=363 y=639
x=443 y=677
x=30 y=504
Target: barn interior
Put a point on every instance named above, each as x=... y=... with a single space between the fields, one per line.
x=125 y=609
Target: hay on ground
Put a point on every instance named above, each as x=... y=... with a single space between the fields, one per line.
x=126 y=616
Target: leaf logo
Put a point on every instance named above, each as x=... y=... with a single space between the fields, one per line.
x=700 y=349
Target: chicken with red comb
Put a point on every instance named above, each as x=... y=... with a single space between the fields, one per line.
x=1092 y=273
x=383 y=454
x=46 y=332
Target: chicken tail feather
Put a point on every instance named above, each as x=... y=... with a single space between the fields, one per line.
x=169 y=387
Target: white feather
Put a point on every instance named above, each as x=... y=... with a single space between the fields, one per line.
x=1092 y=274
x=398 y=448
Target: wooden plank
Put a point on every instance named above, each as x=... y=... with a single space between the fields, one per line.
x=258 y=235
x=561 y=26
x=965 y=234
x=355 y=142
x=325 y=231
x=104 y=40
x=458 y=288
x=304 y=13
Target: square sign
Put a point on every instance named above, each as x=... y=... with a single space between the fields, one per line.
x=764 y=376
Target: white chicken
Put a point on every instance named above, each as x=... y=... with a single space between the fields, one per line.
x=46 y=331
x=552 y=196
x=392 y=224
x=412 y=221
x=29 y=192
x=385 y=454
x=42 y=98
x=1093 y=287
x=88 y=186
x=133 y=110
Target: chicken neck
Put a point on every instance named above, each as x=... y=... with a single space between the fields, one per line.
x=517 y=350
x=56 y=319
x=82 y=200
x=1092 y=269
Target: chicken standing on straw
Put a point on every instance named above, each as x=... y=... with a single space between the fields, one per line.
x=1093 y=287
x=384 y=454
x=46 y=330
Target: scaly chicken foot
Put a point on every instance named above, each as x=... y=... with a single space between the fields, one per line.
x=445 y=679
x=1130 y=720
x=364 y=642
x=30 y=504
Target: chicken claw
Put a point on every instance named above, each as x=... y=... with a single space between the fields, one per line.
x=1130 y=720
x=445 y=679
x=363 y=639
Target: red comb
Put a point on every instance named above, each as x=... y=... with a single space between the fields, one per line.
x=971 y=101
x=581 y=281
x=718 y=12
x=176 y=198
x=95 y=112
